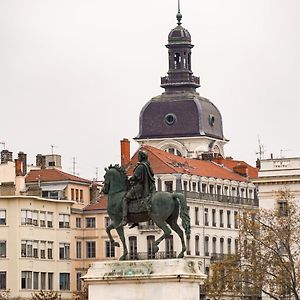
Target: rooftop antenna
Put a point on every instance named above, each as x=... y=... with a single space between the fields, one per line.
x=96 y=174
x=179 y=15
x=52 y=149
x=261 y=150
x=3 y=144
x=74 y=163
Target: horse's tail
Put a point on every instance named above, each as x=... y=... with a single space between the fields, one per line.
x=184 y=213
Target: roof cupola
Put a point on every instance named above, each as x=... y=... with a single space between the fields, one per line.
x=180 y=69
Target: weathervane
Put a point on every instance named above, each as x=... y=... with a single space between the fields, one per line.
x=179 y=15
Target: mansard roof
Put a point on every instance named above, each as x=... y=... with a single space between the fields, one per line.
x=163 y=162
x=49 y=175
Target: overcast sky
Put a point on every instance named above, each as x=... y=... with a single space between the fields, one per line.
x=76 y=73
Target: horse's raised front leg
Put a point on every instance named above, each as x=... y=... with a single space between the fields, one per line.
x=108 y=229
x=120 y=231
x=162 y=225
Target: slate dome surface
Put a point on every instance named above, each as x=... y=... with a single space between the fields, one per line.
x=179 y=35
x=183 y=114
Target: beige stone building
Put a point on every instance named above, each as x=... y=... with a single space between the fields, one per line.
x=35 y=245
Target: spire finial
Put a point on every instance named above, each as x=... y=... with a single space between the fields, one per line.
x=179 y=15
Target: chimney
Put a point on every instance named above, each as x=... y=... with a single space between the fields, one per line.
x=125 y=152
x=23 y=157
x=94 y=192
x=40 y=161
x=18 y=167
x=20 y=178
x=6 y=156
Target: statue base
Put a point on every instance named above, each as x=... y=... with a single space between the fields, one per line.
x=178 y=279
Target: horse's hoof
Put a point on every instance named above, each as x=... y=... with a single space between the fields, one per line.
x=155 y=249
x=116 y=244
x=123 y=257
x=181 y=255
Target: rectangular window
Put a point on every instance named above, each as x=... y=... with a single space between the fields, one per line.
x=78 y=281
x=64 y=281
x=214 y=223
x=50 y=219
x=91 y=249
x=169 y=186
x=236 y=220
x=35 y=280
x=35 y=218
x=132 y=247
x=81 y=195
x=2 y=248
x=206 y=217
x=2 y=217
x=197 y=251
x=43 y=280
x=194 y=186
x=26 y=248
x=50 y=250
x=2 y=280
x=228 y=219
x=169 y=247
x=64 y=221
x=78 y=222
x=78 y=249
x=107 y=221
x=72 y=194
x=203 y=187
x=50 y=281
x=109 y=249
x=64 y=251
x=77 y=195
x=229 y=246
x=196 y=216
x=42 y=218
x=26 y=280
x=150 y=246
x=222 y=245
x=221 y=218
x=26 y=217
x=35 y=249
x=206 y=246
x=43 y=249
x=90 y=222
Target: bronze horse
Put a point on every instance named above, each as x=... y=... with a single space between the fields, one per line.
x=164 y=209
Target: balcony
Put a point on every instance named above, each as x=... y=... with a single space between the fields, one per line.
x=148 y=228
x=221 y=198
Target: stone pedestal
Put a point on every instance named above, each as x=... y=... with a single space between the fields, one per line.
x=174 y=279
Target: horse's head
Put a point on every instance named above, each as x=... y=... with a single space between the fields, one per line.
x=115 y=180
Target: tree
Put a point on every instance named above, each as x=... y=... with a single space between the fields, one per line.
x=268 y=258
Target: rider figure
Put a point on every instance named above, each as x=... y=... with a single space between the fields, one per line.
x=143 y=183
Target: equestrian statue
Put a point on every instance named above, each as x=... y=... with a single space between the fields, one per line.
x=135 y=200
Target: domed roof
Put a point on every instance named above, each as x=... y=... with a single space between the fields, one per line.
x=179 y=35
x=183 y=114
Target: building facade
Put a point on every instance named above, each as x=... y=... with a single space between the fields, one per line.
x=277 y=174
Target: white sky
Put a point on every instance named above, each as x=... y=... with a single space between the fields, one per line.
x=76 y=73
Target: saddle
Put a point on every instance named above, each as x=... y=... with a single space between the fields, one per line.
x=141 y=205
